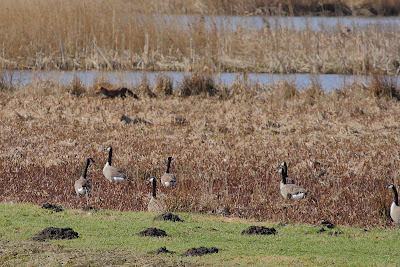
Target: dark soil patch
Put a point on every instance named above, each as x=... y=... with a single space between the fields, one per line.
x=200 y=251
x=164 y=250
x=321 y=230
x=259 y=230
x=328 y=224
x=49 y=206
x=153 y=232
x=168 y=217
x=55 y=233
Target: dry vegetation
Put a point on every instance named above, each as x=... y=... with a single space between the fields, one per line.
x=119 y=35
x=342 y=146
x=262 y=7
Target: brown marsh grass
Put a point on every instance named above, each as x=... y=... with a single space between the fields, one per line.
x=263 y=7
x=342 y=146
x=118 y=35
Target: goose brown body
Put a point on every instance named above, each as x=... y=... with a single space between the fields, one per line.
x=156 y=204
x=168 y=179
x=112 y=173
x=82 y=185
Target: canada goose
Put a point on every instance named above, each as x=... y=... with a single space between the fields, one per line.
x=112 y=173
x=290 y=190
x=394 y=208
x=82 y=185
x=155 y=204
x=283 y=166
x=168 y=179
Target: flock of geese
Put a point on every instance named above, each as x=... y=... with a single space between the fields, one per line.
x=288 y=188
x=113 y=174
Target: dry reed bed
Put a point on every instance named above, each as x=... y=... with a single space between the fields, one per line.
x=110 y=35
x=262 y=7
x=342 y=146
x=273 y=7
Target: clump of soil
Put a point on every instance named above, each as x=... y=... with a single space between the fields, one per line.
x=153 y=232
x=321 y=230
x=168 y=217
x=200 y=251
x=259 y=230
x=164 y=250
x=55 y=233
x=49 y=206
x=328 y=224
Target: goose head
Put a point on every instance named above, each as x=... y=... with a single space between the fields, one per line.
x=282 y=167
x=150 y=179
x=389 y=186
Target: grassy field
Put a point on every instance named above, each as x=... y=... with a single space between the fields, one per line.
x=111 y=238
x=340 y=145
x=112 y=35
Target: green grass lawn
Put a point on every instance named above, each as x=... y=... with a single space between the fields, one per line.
x=111 y=238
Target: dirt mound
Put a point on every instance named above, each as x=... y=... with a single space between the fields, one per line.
x=49 y=206
x=168 y=217
x=259 y=230
x=153 y=232
x=200 y=251
x=164 y=250
x=321 y=230
x=328 y=224
x=55 y=233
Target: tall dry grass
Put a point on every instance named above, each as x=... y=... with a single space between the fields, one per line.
x=341 y=146
x=111 y=35
x=264 y=7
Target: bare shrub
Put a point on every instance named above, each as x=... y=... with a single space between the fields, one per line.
x=197 y=84
x=164 y=84
x=6 y=81
x=313 y=94
x=76 y=87
x=144 y=88
x=383 y=87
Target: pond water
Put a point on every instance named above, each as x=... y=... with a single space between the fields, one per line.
x=299 y=23
x=328 y=82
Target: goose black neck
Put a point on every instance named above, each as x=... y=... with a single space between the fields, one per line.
x=284 y=174
x=396 y=197
x=283 y=177
x=86 y=167
x=109 y=156
x=154 y=187
x=168 y=165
